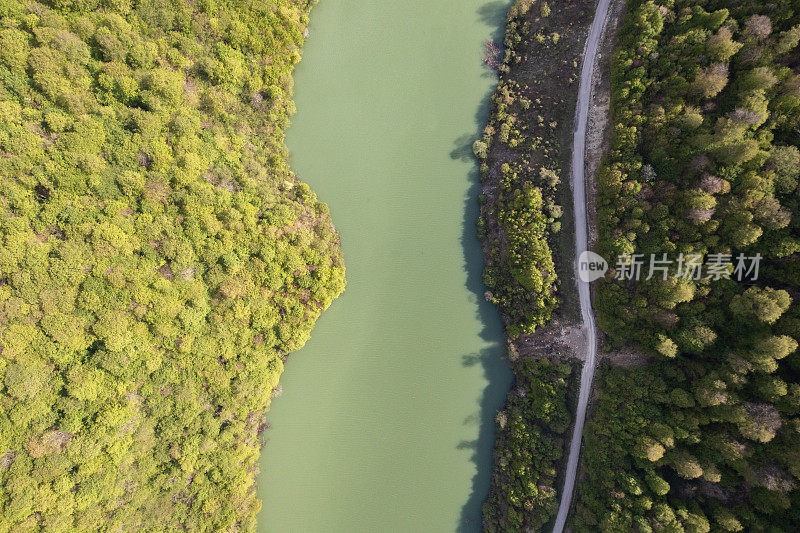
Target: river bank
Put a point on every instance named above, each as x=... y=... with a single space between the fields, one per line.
x=527 y=146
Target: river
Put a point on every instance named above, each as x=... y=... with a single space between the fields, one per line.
x=386 y=419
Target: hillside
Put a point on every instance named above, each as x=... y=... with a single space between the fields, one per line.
x=158 y=258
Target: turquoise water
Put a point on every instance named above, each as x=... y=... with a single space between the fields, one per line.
x=386 y=420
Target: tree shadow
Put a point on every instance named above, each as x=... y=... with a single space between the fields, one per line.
x=496 y=372
x=463 y=149
x=499 y=379
x=493 y=14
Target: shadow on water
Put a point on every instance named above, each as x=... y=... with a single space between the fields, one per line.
x=490 y=359
x=497 y=374
x=495 y=369
x=493 y=14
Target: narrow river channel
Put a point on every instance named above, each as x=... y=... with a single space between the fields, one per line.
x=386 y=419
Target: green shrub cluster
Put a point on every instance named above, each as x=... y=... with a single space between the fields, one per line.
x=706 y=108
x=529 y=445
x=158 y=259
x=520 y=159
x=520 y=273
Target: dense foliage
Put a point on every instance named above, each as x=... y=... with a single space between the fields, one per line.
x=158 y=259
x=529 y=444
x=704 y=160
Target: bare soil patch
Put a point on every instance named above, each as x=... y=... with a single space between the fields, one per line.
x=560 y=339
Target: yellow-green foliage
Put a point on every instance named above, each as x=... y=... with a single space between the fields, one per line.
x=529 y=446
x=158 y=259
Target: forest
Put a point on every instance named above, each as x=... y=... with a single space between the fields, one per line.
x=158 y=258
x=702 y=434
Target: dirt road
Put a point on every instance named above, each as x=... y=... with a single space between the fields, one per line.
x=581 y=244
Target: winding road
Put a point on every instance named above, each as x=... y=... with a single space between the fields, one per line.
x=581 y=245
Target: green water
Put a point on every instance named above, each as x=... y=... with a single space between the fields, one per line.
x=386 y=420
